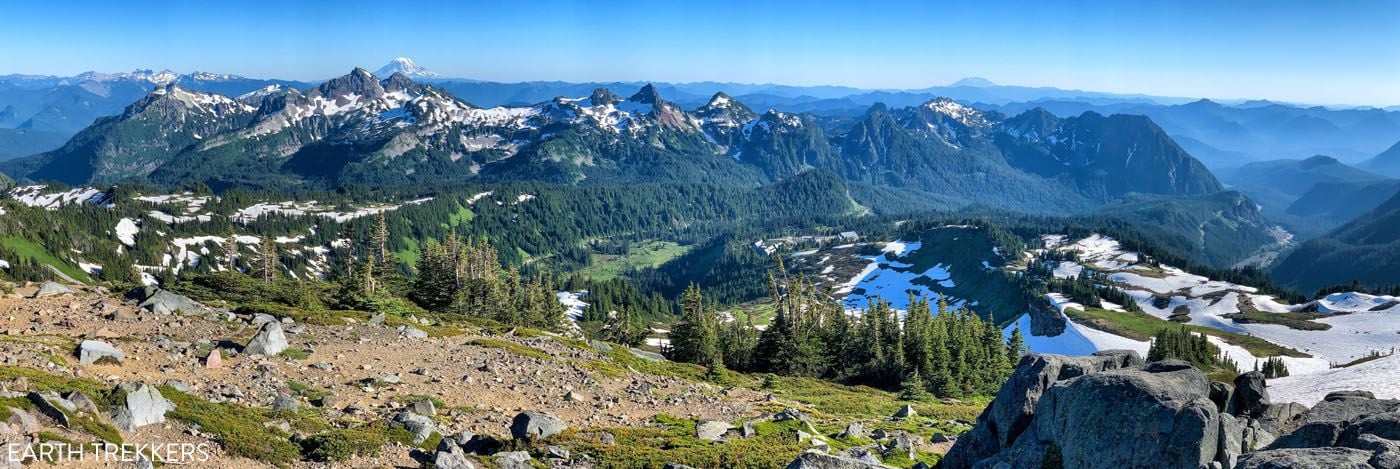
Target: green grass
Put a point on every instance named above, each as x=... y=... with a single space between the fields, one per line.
x=512 y=347
x=296 y=354
x=672 y=440
x=238 y=429
x=462 y=216
x=343 y=443
x=1299 y=321
x=1142 y=326
x=310 y=392
x=33 y=251
x=411 y=254
x=646 y=254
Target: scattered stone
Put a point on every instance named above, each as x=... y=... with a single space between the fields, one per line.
x=905 y=412
x=285 y=403
x=412 y=332
x=214 y=361
x=813 y=459
x=420 y=426
x=82 y=402
x=513 y=460
x=573 y=397
x=54 y=407
x=268 y=341
x=144 y=406
x=450 y=456
x=165 y=302
x=24 y=422
x=377 y=319
x=424 y=407
x=53 y=289
x=853 y=430
x=536 y=425
x=600 y=346
x=92 y=351
x=556 y=452
x=712 y=430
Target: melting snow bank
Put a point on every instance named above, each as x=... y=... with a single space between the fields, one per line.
x=1380 y=376
x=573 y=303
x=34 y=196
x=1076 y=339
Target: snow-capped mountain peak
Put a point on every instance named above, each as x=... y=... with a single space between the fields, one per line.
x=405 y=66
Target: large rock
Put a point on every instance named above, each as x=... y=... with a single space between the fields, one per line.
x=813 y=459
x=513 y=460
x=450 y=456
x=421 y=427
x=536 y=425
x=90 y=351
x=1251 y=395
x=52 y=289
x=1011 y=412
x=24 y=422
x=165 y=302
x=268 y=341
x=143 y=406
x=712 y=430
x=1323 y=424
x=1290 y=458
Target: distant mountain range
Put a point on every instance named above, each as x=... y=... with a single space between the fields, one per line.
x=1222 y=135
x=360 y=129
x=1365 y=250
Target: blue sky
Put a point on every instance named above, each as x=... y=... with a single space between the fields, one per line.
x=1345 y=52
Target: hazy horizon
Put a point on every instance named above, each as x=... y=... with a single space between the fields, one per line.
x=1292 y=52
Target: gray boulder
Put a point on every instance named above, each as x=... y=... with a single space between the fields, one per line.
x=285 y=403
x=1158 y=416
x=165 y=302
x=712 y=430
x=860 y=454
x=412 y=332
x=144 y=405
x=645 y=355
x=853 y=430
x=25 y=422
x=813 y=459
x=90 y=351
x=1289 y=458
x=424 y=407
x=513 y=460
x=536 y=425
x=1322 y=425
x=905 y=412
x=1011 y=412
x=450 y=456
x=1251 y=395
x=52 y=289
x=268 y=341
x=421 y=427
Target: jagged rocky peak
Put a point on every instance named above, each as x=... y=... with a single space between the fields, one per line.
x=603 y=97
x=1032 y=124
x=399 y=82
x=965 y=115
x=725 y=110
x=647 y=95
x=172 y=96
x=358 y=82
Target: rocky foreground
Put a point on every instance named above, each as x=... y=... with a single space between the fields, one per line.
x=258 y=390
x=1111 y=410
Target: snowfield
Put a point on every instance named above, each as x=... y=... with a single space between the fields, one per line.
x=1362 y=323
x=1380 y=376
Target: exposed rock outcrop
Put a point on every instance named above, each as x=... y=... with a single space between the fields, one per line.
x=1110 y=410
